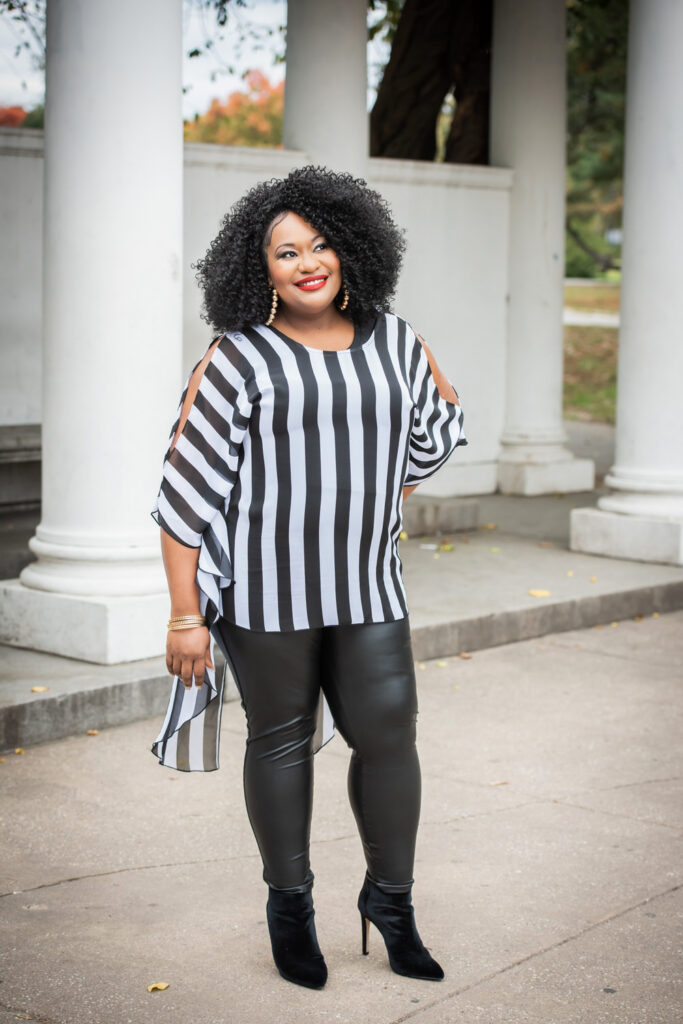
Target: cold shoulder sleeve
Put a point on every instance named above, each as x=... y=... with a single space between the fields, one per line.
x=200 y=465
x=438 y=426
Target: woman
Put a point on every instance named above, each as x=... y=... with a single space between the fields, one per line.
x=310 y=417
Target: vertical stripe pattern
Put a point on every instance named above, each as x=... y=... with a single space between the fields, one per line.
x=288 y=476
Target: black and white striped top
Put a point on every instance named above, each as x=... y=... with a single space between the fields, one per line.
x=288 y=476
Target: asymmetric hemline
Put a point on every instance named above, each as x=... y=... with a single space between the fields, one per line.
x=288 y=475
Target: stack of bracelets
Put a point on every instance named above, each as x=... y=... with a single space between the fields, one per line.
x=186 y=621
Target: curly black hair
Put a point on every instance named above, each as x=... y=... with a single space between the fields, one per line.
x=355 y=220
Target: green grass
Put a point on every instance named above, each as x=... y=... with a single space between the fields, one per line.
x=590 y=373
x=599 y=298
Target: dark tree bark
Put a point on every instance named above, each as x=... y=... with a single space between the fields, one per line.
x=415 y=81
x=439 y=45
x=468 y=138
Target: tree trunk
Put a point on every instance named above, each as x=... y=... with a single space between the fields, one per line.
x=415 y=81
x=439 y=45
x=468 y=138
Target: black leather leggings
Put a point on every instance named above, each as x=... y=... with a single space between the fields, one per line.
x=367 y=674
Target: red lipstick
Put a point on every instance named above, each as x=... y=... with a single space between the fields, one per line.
x=311 y=284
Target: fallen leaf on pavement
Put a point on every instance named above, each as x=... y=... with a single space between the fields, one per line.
x=464 y=654
x=489 y=526
x=442 y=664
x=540 y=593
x=503 y=782
x=19 y=750
x=93 y=732
x=403 y=535
x=593 y=579
x=39 y=689
x=158 y=986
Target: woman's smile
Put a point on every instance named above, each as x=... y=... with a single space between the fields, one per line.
x=311 y=284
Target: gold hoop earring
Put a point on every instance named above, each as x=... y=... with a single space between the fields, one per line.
x=346 y=298
x=272 y=309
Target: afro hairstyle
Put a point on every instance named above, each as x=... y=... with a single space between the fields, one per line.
x=355 y=220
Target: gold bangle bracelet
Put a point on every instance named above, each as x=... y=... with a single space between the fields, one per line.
x=185 y=621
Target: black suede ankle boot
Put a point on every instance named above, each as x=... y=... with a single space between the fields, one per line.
x=394 y=916
x=295 y=946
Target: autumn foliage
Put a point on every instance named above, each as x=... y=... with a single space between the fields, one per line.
x=249 y=118
x=12 y=117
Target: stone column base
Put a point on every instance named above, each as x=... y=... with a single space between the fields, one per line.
x=104 y=630
x=424 y=515
x=641 y=538
x=562 y=476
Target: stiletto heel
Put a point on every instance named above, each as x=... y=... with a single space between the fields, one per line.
x=394 y=917
x=365 y=925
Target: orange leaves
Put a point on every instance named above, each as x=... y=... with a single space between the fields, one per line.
x=246 y=118
x=12 y=117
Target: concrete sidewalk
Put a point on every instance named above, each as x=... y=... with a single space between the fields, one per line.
x=548 y=873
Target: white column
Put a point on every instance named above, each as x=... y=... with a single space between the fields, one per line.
x=112 y=330
x=326 y=83
x=528 y=127
x=642 y=518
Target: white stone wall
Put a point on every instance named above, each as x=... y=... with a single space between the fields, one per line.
x=452 y=290
x=21 y=275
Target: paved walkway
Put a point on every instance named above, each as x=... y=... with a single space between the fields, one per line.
x=589 y=318
x=548 y=874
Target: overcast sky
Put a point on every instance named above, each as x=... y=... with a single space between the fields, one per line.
x=22 y=85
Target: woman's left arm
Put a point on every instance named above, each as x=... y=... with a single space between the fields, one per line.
x=446 y=390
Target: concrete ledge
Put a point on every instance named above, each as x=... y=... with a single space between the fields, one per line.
x=80 y=696
x=448 y=638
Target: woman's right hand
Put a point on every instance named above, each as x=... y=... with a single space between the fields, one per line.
x=188 y=652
